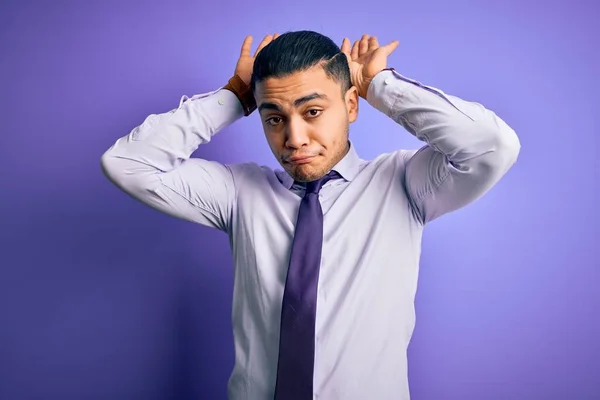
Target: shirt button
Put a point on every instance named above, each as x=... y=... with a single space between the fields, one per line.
x=387 y=81
x=221 y=102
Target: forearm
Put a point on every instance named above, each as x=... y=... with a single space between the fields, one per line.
x=463 y=131
x=164 y=140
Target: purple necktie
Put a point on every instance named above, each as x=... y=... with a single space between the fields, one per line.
x=297 y=336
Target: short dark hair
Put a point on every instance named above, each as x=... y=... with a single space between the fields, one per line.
x=298 y=51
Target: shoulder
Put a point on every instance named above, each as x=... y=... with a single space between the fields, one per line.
x=252 y=172
x=391 y=160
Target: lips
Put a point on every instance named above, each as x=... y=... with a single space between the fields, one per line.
x=300 y=159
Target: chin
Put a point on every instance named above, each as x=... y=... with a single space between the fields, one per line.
x=306 y=173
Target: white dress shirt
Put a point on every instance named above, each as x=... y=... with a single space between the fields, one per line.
x=373 y=223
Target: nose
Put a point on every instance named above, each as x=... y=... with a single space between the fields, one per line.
x=296 y=134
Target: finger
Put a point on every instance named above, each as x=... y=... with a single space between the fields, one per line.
x=246 y=46
x=364 y=45
x=346 y=46
x=390 y=47
x=373 y=43
x=267 y=39
x=275 y=36
x=348 y=58
x=354 y=53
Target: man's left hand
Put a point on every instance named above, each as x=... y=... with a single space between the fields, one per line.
x=366 y=59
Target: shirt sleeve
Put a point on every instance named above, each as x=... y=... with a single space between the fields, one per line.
x=153 y=165
x=468 y=147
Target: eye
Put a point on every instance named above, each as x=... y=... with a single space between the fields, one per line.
x=313 y=112
x=273 y=121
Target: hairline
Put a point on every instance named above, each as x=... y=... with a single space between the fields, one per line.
x=323 y=63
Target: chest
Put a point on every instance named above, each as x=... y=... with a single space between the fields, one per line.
x=356 y=215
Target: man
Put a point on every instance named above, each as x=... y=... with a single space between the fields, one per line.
x=326 y=250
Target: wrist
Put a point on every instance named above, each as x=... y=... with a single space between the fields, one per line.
x=363 y=88
x=243 y=92
x=382 y=93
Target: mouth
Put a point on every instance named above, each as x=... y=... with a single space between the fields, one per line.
x=298 y=160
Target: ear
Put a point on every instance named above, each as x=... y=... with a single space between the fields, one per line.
x=351 y=99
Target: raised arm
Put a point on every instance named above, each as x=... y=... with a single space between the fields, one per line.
x=468 y=147
x=152 y=163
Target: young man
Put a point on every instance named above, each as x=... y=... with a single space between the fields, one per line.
x=326 y=250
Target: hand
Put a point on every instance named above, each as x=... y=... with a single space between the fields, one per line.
x=366 y=59
x=245 y=63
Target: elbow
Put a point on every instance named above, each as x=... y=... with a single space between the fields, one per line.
x=115 y=169
x=508 y=146
x=503 y=148
x=108 y=165
x=129 y=175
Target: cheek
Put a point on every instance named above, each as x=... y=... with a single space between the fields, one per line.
x=275 y=141
x=332 y=130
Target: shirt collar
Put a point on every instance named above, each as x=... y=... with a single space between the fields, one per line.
x=347 y=167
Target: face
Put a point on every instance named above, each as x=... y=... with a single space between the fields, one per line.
x=306 y=118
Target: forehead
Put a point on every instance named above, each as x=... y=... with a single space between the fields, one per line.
x=289 y=88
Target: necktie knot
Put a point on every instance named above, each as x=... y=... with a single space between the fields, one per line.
x=316 y=185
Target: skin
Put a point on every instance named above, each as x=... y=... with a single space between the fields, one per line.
x=305 y=115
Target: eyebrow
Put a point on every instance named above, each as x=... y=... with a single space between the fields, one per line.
x=297 y=103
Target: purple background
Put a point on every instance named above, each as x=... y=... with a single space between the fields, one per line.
x=103 y=298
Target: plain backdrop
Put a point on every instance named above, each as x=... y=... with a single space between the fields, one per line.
x=103 y=298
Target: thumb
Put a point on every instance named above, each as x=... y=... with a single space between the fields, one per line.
x=390 y=47
x=349 y=58
x=346 y=46
x=346 y=50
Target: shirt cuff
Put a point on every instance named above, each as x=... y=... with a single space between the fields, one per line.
x=220 y=107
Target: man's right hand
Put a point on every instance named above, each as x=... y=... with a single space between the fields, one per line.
x=246 y=62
